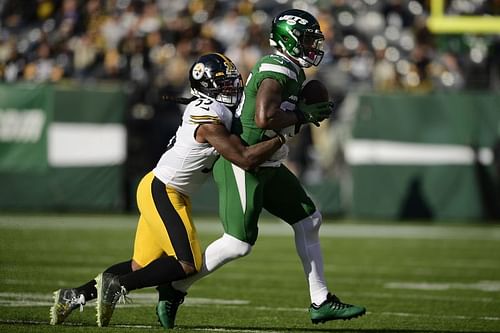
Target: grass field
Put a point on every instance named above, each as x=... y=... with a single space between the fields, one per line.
x=411 y=278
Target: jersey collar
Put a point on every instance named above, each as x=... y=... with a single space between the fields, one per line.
x=297 y=67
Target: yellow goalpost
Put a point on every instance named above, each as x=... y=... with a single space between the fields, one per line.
x=445 y=24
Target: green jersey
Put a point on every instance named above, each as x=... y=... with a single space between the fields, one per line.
x=243 y=194
x=277 y=67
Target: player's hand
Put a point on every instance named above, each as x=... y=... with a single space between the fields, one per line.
x=313 y=113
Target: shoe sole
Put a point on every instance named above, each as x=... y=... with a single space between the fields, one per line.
x=321 y=321
x=53 y=310
x=98 y=286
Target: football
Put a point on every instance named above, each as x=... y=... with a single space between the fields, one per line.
x=314 y=92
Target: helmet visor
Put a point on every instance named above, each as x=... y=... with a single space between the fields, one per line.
x=230 y=90
x=312 y=43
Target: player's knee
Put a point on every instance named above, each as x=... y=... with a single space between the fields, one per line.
x=134 y=265
x=316 y=219
x=188 y=268
x=242 y=249
x=235 y=248
x=309 y=226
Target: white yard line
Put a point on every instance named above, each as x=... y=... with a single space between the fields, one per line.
x=485 y=286
x=146 y=327
x=269 y=227
x=423 y=315
x=264 y=308
x=10 y=299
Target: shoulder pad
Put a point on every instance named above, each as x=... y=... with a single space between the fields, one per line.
x=205 y=111
x=276 y=65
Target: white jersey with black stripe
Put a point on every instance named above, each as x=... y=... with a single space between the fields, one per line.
x=186 y=163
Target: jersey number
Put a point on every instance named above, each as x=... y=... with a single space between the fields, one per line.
x=171 y=143
x=203 y=103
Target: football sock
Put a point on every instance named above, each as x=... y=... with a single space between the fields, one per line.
x=88 y=289
x=309 y=250
x=159 y=271
x=121 y=268
x=218 y=253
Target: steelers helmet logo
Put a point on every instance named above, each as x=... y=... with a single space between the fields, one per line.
x=198 y=71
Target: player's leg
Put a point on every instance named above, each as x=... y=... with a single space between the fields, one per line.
x=88 y=289
x=286 y=198
x=146 y=248
x=69 y=299
x=168 y=217
x=240 y=227
x=240 y=200
x=240 y=204
x=239 y=218
x=221 y=251
x=169 y=299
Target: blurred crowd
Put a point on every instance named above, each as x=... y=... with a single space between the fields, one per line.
x=148 y=45
x=371 y=44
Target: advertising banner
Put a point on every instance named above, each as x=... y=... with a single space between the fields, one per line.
x=25 y=112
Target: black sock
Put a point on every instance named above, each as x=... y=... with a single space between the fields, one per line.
x=167 y=292
x=88 y=289
x=159 y=271
x=120 y=268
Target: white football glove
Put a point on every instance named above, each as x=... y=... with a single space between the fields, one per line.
x=280 y=155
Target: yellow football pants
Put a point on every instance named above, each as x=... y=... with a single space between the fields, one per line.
x=165 y=225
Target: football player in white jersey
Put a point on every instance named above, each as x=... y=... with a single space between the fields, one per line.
x=166 y=246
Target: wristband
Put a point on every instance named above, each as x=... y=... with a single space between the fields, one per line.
x=281 y=138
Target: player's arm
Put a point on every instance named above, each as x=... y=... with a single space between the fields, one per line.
x=268 y=113
x=232 y=148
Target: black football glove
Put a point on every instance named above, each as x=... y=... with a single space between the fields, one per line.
x=313 y=113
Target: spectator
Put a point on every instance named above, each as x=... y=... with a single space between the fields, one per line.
x=372 y=45
x=356 y=33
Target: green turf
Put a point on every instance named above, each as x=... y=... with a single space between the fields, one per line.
x=412 y=278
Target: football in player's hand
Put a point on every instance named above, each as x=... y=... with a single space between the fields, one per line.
x=314 y=92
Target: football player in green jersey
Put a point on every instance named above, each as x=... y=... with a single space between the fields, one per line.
x=271 y=105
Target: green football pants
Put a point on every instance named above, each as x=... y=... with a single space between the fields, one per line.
x=242 y=195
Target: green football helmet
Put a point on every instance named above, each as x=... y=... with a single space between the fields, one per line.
x=297 y=33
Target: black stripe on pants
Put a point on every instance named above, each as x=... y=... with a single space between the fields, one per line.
x=172 y=221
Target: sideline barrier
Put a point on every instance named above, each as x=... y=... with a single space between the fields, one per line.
x=62 y=147
x=430 y=157
x=425 y=156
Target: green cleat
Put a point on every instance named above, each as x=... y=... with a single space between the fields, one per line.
x=65 y=301
x=334 y=309
x=169 y=301
x=109 y=293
